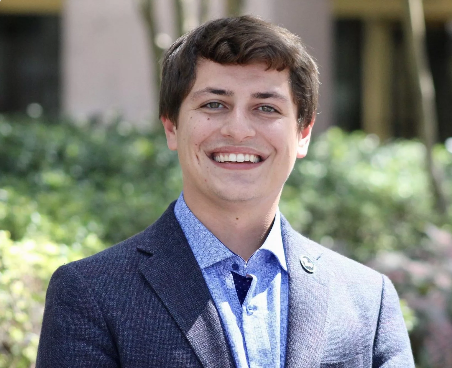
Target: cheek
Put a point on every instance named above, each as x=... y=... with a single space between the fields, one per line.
x=200 y=132
x=191 y=140
x=285 y=144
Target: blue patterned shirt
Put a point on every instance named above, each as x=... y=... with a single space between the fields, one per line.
x=257 y=330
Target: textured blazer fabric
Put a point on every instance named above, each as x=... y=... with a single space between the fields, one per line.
x=144 y=303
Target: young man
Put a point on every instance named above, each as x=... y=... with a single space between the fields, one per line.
x=221 y=279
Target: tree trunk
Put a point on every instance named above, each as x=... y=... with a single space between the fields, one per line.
x=234 y=7
x=204 y=11
x=147 y=12
x=414 y=29
x=179 y=17
x=182 y=21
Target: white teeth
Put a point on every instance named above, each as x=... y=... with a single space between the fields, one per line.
x=233 y=157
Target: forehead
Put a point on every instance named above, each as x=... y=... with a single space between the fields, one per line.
x=240 y=79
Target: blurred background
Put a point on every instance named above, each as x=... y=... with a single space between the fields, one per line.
x=84 y=58
x=83 y=163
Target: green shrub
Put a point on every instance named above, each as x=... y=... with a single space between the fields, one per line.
x=25 y=269
x=112 y=180
x=68 y=191
x=366 y=196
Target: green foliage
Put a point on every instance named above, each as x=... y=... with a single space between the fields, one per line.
x=25 y=268
x=68 y=191
x=366 y=196
x=423 y=278
x=111 y=180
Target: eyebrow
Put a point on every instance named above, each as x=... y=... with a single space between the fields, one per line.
x=264 y=95
x=224 y=92
x=215 y=91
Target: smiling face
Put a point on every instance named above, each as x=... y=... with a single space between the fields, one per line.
x=237 y=136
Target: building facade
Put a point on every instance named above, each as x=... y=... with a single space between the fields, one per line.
x=89 y=59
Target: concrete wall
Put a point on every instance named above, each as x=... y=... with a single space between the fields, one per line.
x=106 y=59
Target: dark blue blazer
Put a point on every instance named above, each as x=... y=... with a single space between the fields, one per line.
x=144 y=303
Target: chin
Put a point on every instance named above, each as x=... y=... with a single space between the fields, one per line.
x=246 y=196
x=240 y=195
x=236 y=198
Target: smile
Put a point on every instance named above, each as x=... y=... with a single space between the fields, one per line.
x=236 y=157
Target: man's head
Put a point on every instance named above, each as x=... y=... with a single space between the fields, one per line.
x=239 y=41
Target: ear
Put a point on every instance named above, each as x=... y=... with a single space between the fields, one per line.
x=304 y=136
x=170 y=132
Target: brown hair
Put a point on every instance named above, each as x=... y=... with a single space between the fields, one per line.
x=238 y=40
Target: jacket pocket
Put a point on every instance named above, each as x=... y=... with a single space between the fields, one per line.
x=355 y=362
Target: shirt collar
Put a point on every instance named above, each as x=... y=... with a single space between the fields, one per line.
x=274 y=243
x=200 y=238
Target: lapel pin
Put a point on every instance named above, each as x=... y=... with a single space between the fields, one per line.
x=307 y=264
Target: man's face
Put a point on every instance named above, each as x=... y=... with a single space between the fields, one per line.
x=237 y=136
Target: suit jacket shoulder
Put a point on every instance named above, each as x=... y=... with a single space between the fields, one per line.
x=140 y=303
x=349 y=315
x=144 y=303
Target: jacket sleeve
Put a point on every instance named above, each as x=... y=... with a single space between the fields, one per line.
x=392 y=347
x=74 y=332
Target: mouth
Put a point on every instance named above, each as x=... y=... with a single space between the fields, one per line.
x=236 y=157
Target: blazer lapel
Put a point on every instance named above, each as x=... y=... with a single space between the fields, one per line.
x=308 y=301
x=175 y=276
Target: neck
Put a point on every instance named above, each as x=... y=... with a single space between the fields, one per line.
x=242 y=227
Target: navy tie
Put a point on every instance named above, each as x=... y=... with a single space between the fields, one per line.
x=242 y=285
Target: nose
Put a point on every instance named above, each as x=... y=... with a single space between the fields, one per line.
x=238 y=125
